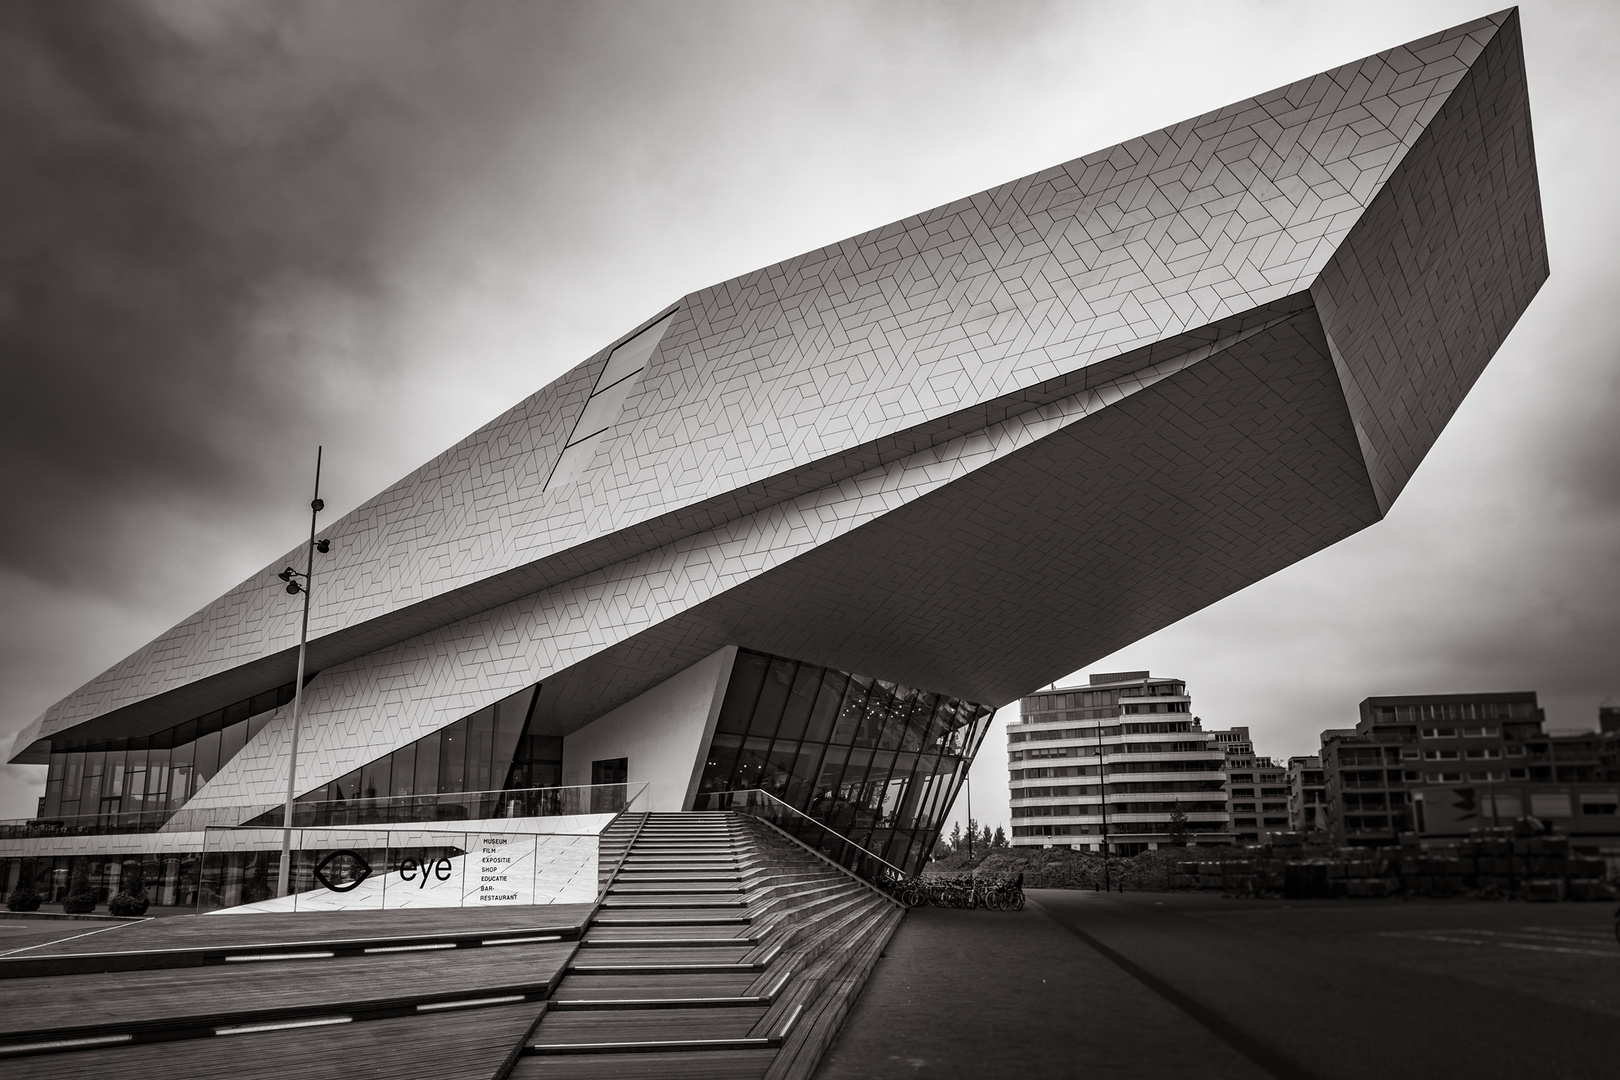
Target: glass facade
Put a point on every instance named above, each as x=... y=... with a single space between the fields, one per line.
x=875 y=761
x=113 y=785
x=482 y=755
x=169 y=879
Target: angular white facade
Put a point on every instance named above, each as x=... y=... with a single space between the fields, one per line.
x=968 y=452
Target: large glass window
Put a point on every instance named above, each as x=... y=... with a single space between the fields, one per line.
x=877 y=762
x=152 y=774
x=487 y=752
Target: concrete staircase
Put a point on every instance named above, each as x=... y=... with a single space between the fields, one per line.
x=721 y=949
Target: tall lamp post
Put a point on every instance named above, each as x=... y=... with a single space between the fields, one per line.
x=1102 y=792
x=968 y=778
x=291 y=576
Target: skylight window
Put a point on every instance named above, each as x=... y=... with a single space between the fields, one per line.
x=620 y=376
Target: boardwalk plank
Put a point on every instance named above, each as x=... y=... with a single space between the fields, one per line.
x=597 y=987
x=202 y=931
x=63 y=1000
x=467 y=1046
x=683 y=1065
x=647 y=1025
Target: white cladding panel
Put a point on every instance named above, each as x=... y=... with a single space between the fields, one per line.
x=663 y=734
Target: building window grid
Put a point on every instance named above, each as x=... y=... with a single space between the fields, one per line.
x=152 y=774
x=893 y=757
x=1106 y=743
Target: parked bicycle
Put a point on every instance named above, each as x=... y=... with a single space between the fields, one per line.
x=965 y=891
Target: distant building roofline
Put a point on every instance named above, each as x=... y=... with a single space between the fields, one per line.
x=1525 y=696
x=1108 y=678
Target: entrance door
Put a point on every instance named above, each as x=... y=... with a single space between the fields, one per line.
x=607 y=799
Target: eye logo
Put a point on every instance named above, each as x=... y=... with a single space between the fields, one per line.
x=357 y=867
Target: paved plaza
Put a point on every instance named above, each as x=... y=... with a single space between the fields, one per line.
x=1147 y=985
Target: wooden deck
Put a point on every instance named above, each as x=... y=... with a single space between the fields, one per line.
x=468 y=1046
x=719 y=950
x=18 y=936
x=200 y=942
x=202 y=996
x=238 y=931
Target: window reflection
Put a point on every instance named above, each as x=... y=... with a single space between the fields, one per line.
x=113 y=780
x=482 y=755
x=875 y=761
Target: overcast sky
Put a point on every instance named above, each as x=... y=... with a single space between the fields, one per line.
x=235 y=230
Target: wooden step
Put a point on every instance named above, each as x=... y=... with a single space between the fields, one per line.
x=672 y=900
x=689 y=888
x=748 y=1064
x=599 y=992
x=823 y=1013
x=658 y=953
x=596 y=1025
x=623 y=987
x=679 y=862
x=666 y=943
x=654 y=967
x=721 y=932
x=669 y=919
x=647 y=968
x=717 y=942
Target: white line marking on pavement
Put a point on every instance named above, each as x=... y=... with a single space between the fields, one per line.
x=1611 y=953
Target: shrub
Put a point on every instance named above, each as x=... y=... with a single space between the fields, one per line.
x=80 y=900
x=25 y=897
x=131 y=898
x=129 y=904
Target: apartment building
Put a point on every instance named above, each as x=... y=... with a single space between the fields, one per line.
x=1110 y=765
x=1403 y=744
x=1307 y=794
x=1256 y=788
x=1477 y=774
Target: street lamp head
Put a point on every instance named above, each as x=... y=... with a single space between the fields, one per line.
x=287 y=574
x=323 y=546
x=293 y=588
x=317 y=505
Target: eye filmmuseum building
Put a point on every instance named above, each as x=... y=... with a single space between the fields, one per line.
x=807 y=529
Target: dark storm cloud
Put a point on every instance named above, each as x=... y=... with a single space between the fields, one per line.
x=186 y=176
x=157 y=187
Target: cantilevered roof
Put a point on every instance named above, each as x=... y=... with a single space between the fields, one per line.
x=972 y=450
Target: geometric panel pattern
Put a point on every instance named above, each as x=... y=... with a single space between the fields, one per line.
x=971 y=450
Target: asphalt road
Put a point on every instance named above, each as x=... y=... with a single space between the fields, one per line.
x=1148 y=985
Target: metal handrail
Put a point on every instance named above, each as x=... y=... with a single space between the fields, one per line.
x=752 y=794
x=451 y=825
x=189 y=818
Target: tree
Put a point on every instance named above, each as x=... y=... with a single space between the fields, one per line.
x=1000 y=839
x=1178 y=825
x=25 y=897
x=80 y=899
x=956 y=837
x=985 y=838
